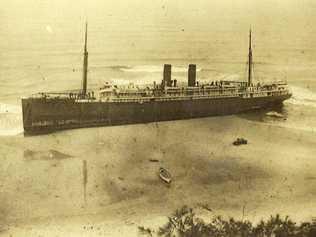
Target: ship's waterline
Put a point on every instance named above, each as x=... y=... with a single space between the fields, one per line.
x=42 y=116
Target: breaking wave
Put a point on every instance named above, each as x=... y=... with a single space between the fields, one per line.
x=10 y=120
x=7 y=108
x=142 y=81
x=118 y=67
x=125 y=82
x=302 y=96
x=152 y=69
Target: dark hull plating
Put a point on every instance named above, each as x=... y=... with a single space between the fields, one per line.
x=47 y=115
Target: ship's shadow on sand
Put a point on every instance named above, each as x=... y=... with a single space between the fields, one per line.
x=219 y=171
x=191 y=174
x=44 y=155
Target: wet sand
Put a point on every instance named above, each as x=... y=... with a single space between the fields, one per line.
x=42 y=183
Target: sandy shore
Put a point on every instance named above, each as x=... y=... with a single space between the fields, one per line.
x=42 y=188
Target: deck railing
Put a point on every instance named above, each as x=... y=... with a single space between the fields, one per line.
x=244 y=94
x=181 y=94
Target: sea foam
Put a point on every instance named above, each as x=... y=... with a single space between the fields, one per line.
x=153 y=69
x=11 y=122
x=302 y=96
x=8 y=108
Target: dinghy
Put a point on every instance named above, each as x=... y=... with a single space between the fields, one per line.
x=165 y=175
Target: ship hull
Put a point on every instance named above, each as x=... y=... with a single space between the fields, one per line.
x=42 y=115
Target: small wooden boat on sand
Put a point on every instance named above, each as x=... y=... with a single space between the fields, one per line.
x=165 y=175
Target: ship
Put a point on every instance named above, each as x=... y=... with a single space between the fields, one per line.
x=164 y=101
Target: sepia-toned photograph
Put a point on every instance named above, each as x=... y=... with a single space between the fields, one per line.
x=169 y=118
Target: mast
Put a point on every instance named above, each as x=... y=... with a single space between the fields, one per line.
x=85 y=65
x=250 y=61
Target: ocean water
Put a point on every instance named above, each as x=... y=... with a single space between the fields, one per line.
x=41 y=44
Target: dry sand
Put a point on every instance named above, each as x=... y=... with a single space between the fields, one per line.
x=42 y=178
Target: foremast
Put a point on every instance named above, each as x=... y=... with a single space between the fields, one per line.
x=85 y=65
x=250 y=61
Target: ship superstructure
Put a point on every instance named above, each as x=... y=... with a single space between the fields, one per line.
x=168 y=100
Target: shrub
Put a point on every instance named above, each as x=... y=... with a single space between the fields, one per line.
x=184 y=223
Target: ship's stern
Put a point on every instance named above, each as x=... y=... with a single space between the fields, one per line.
x=27 y=114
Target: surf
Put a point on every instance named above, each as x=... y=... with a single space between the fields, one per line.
x=152 y=69
x=302 y=96
x=11 y=123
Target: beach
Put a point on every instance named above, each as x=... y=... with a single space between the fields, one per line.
x=273 y=173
